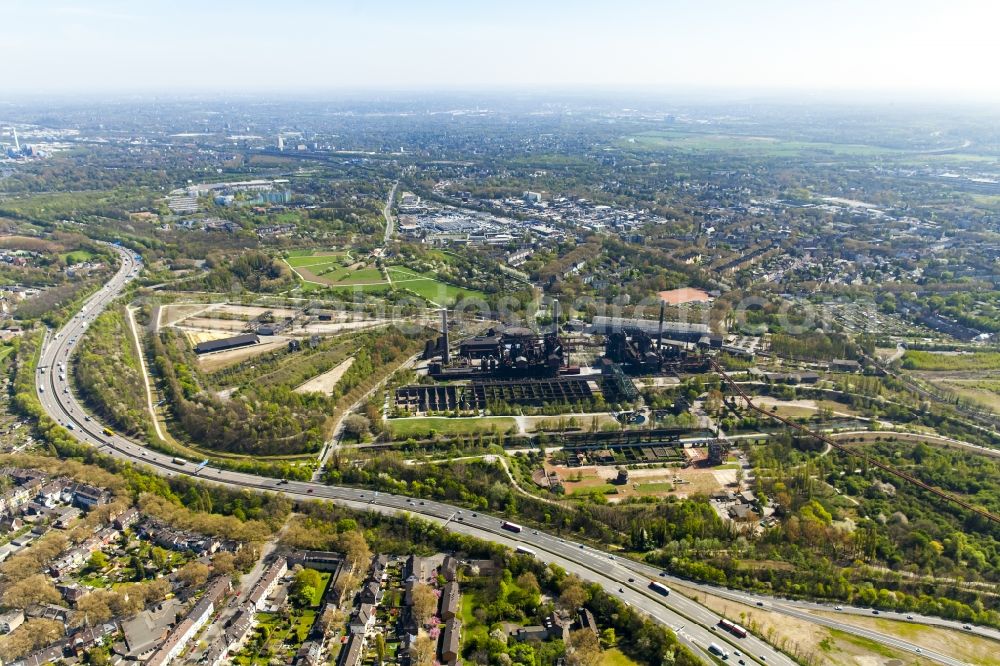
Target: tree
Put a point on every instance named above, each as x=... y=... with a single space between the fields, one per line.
x=423 y=650
x=193 y=574
x=573 y=597
x=98 y=560
x=223 y=563
x=33 y=634
x=355 y=549
x=92 y=609
x=357 y=426
x=584 y=648
x=304 y=586
x=98 y=656
x=425 y=603
x=37 y=589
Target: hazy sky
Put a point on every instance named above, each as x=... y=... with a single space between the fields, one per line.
x=64 y=46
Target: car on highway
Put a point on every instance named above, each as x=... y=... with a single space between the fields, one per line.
x=837 y=608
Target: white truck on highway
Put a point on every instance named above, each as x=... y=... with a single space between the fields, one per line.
x=718 y=650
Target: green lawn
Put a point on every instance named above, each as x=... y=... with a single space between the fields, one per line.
x=5 y=351
x=656 y=487
x=318 y=594
x=615 y=657
x=601 y=488
x=925 y=360
x=760 y=145
x=78 y=256
x=317 y=270
x=420 y=427
x=428 y=286
x=309 y=257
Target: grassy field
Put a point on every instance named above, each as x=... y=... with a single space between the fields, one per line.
x=428 y=287
x=615 y=657
x=334 y=269
x=77 y=256
x=319 y=269
x=600 y=488
x=420 y=427
x=924 y=360
x=983 y=392
x=758 y=145
x=5 y=351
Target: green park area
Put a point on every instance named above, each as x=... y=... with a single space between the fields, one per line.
x=318 y=269
x=428 y=427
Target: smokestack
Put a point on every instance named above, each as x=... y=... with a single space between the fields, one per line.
x=555 y=317
x=659 y=334
x=445 y=358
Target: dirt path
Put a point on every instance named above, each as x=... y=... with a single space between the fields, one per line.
x=145 y=375
x=325 y=382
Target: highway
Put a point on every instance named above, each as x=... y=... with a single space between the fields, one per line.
x=629 y=580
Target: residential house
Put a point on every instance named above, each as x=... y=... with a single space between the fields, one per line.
x=585 y=620
x=362 y=620
x=451 y=642
x=450 y=599
x=263 y=587
x=126 y=518
x=371 y=593
x=217 y=589
x=87 y=497
x=351 y=654
x=11 y=620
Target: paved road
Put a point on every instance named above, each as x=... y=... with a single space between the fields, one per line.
x=694 y=624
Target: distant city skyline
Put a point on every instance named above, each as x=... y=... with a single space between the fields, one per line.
x=886 y=48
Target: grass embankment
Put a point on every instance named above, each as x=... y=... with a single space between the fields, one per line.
x=429 y=426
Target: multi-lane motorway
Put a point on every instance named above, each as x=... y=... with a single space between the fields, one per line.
x=694 y=624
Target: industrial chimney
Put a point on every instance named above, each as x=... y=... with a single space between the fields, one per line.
x=445 y=358
x=555 y=317
x=659 y=334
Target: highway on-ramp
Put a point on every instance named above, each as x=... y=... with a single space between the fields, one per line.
x=694 y=624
